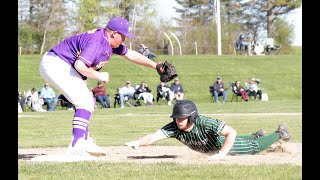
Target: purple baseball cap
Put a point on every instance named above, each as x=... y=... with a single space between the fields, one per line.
x=121 y=25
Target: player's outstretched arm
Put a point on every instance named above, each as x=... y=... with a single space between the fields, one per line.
x=147 y=139
x=230 y=135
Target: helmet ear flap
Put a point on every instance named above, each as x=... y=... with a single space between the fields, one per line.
x=190 y=120
x=193 y=117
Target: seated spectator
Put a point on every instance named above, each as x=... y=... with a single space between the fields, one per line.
x=34 y=101
x=241 y=44
x=65 y=102
x=49 y=97
x=126 y=91
x=252 y=89
x=219 y=90
x=177 y=90
x=164 y=92
x=144 y=92
x=240 y=91
x=101 y=96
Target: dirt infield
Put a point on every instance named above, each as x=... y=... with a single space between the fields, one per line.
x=279 y=153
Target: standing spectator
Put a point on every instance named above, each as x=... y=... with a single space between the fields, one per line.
x=164 y=92
x=242 y=45
x=126 y=90
x=252 y=89
x=219 y=90
x=101 y=96
x=144 y=50
x=34 y=101
x=145 y=92
x=177 y=90
x=49 y=97
x=239 y=90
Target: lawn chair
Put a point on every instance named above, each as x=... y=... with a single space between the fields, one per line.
x=271 y=48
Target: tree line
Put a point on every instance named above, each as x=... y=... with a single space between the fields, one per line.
x=44 y=23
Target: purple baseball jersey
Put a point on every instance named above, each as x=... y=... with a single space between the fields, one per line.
x=91 y=47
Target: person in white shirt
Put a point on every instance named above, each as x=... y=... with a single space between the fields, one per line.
x=33 y=100
x=127 y=90
x=165 y=92
x=252 y=89
x=144 y=92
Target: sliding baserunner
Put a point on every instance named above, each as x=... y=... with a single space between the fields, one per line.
x=207 y=135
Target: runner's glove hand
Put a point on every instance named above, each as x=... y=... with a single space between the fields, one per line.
x=217 y=156
x=133 y=144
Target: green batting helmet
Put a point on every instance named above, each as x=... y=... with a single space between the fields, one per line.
x=183 y=109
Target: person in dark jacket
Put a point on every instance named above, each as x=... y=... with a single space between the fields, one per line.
x=219 y=90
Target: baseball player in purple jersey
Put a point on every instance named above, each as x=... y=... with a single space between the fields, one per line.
x=68 y=64
x=208 y=135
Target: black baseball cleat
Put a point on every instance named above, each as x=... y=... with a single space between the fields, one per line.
x=283 y=132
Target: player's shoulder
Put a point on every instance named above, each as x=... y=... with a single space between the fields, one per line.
x=205 y=119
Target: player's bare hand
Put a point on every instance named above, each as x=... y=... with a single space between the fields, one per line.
x=104 y=77
x=218 y=156
x=133 y=144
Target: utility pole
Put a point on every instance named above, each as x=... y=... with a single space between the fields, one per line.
x=217 y=14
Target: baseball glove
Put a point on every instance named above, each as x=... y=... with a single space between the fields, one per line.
x=166 y=71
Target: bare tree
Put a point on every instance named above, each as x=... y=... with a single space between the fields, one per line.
x=55 y=4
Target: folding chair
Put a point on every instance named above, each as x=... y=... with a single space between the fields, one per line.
x=160 y=100
x=271 y=48
x=211 y=93
x=28 y=104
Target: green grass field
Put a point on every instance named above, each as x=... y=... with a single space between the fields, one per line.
x=281 y=78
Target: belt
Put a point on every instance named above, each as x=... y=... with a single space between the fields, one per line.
x=50 y=53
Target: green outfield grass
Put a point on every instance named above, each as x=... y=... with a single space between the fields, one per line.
x=281 y=78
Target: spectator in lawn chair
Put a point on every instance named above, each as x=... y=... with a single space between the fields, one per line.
x=164 y=92
x=34 y=101
x=49 y=97
x=177 y=89
x=252 y=89
x=101 y=95
x=219 y=89
x=240 y=91
x=126 y=90
x=144 y=92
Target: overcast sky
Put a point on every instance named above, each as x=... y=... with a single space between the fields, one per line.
x=295 y=17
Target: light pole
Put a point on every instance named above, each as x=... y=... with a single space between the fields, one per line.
x=218 y=25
